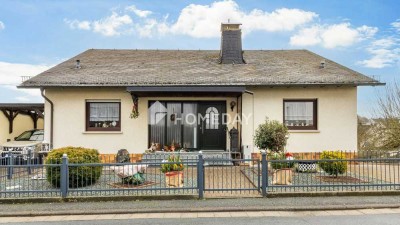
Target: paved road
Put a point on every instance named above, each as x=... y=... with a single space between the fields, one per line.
x=365 y=220
x=364 y=216
x=209 y=205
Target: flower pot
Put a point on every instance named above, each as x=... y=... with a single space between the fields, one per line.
x=282 y=177
x=174 y=179
x=256 y=156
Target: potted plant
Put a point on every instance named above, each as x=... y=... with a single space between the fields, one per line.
x=283 y=170
x=272 y=136
x=173 y=167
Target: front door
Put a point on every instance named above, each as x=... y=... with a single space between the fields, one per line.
x=212 y=130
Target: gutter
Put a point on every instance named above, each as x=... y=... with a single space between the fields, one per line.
x=51 y=116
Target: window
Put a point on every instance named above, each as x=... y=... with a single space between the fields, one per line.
x=300 y=114
x=212 y=118
x=103 y=116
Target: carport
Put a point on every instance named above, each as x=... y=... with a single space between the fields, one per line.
x=12 y=110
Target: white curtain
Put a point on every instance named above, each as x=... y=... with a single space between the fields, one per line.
x=104 y=111
x=299 y=113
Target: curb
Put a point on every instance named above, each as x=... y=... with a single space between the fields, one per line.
x=192 y=197
x=224 y=209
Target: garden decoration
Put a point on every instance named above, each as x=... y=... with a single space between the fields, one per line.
x=123 y=156
x=131 y=174
x=135 y=108
x=173 y=168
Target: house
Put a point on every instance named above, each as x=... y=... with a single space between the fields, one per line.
x=193 y=98
x=16 y=118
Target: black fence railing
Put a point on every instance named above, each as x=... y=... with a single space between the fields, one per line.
x=201 y=176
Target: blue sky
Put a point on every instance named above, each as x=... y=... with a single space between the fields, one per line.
x=35 y=35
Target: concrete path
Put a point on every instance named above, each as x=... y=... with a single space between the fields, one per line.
x=366 y=216
x=198 y=206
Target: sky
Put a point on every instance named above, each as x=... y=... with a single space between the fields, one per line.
x=363 y=35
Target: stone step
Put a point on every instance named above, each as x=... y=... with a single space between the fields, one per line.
x=191 y=158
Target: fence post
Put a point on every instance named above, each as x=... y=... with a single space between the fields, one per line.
x=200 y=176
x=10 y=162
x=28 y=161
x=264 y=172
x=64 y=180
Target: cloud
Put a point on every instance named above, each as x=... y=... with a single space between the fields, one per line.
x=2 y=26
x=138 y=12
x=79 y=25
x=332 y=36
x=10 y=77
x=396 y=25
x=204 y=21
x=113 y=25
x=199 y=21
x=384 y=52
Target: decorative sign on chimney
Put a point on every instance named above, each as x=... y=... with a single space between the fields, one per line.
x=231 y=44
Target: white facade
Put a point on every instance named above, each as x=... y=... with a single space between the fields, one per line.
x=337 y=118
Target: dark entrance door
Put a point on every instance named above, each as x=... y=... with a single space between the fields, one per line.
x=212 y=131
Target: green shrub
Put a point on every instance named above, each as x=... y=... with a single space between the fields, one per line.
x=333 y=167
x=174 y=164
x=79 y=176
x=281 y=156
x=271 y=135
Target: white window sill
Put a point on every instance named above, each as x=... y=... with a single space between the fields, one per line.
x=102 y=132
x=304 y=131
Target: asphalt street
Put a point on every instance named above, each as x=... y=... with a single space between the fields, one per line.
x=380 y=219
x=209 y=205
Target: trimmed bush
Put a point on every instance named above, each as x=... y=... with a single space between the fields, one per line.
x=271 y=135
x=334 y=167
x=79 y=176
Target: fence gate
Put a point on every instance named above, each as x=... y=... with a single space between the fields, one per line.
x=229 y=177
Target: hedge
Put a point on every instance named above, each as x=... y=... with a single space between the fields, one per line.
x=79 y=176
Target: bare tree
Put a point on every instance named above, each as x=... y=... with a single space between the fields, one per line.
x=387 y=128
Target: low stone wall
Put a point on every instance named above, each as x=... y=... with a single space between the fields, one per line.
x=111 y=158
x=308 y=155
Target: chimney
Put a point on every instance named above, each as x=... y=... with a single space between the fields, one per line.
x=231 y=44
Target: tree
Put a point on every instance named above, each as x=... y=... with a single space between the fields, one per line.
x=388 y=111
x=271 y=135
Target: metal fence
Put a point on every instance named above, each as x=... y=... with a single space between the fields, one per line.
x=201 y=176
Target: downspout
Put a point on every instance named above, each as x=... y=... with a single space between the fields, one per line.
x=51 y=116
x=252 y=95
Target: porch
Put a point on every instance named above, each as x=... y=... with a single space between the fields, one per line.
x=191 y=119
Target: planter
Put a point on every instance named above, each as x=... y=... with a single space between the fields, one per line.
x=256 y=156
x=307 y=167
x=282 y=177
x=174 y=179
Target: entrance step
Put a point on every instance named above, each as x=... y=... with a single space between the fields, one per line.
x=211 y=158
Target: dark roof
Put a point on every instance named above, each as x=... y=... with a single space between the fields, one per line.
x=22 y=106
x=192 y=68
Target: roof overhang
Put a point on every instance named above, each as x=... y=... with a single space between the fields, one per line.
x=186 y=90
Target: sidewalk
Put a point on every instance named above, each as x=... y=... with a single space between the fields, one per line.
x=210 y=205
